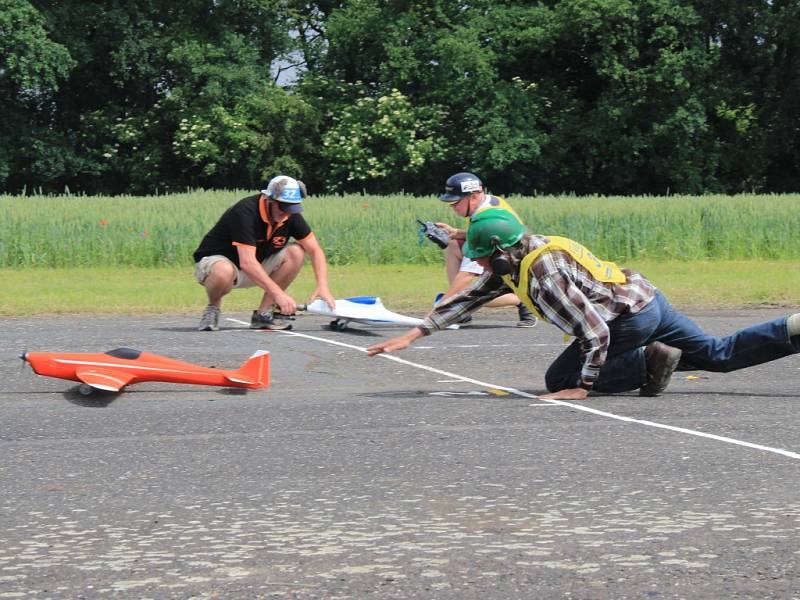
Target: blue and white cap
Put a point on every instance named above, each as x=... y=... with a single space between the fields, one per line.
x=286 y=190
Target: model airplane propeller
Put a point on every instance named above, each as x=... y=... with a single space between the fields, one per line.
x=113 y=370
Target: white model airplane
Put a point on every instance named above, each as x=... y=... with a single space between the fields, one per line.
x=368 y=310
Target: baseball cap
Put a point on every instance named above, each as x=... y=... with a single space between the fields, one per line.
x=459 y=185
x=286 y=190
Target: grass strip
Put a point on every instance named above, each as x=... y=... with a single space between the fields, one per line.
x=172 y=290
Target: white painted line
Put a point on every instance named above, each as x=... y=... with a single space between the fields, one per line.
x=415 y=347
x=581 y=407
x=469 y=393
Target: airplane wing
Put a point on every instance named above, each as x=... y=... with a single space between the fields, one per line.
x=104 y=379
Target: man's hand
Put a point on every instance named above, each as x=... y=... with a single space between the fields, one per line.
x=326 y=295
x=438 y=235
x=451 y=231
x=570 y=394
x=396 y=343
x=286 y=303
x=391 y=345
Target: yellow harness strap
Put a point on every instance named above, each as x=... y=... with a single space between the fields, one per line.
x=601 y=270
x=501 y=204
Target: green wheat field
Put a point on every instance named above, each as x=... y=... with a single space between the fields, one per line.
x=159 y=231
x=730 y=250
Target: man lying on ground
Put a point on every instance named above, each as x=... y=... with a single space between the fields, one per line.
x=627 y=336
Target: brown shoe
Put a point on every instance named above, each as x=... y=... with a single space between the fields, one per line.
x=661 y=361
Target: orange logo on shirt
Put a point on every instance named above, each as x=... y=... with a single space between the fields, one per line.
x=279 y=241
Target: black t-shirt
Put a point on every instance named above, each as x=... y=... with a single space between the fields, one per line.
x=242 y=224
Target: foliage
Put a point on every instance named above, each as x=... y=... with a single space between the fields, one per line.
x=583 y=96
x=32 y=66
x=161 y=96
x=379 y=140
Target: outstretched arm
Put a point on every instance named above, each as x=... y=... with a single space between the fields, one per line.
x=320 y=265
x=396 y=343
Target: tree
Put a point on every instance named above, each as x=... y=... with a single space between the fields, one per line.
x=755 y=91
x=581 y=95
x=32 y=66
x=163 y=95
x=589 y=96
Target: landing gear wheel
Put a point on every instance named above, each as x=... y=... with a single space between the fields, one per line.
x=85 y=389
x=337 y=325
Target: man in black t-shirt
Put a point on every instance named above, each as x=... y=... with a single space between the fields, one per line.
x=249 y=246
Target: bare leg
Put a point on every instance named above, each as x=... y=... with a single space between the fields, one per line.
x=220 y=281
x=504 y=300
x=284 y=275
x=452 y=261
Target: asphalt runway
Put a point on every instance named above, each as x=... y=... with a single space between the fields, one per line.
x=437 y=476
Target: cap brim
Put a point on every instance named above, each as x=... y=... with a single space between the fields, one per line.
x=450 y=197
x=292 y=209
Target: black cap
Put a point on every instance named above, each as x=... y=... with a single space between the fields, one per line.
x=459 y=185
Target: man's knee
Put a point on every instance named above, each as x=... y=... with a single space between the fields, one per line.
x=551 y=384
x=556 y=379
x=292 y=258
x=295 y=252
x=220 y=273
x=289 y=260
x=224 y=268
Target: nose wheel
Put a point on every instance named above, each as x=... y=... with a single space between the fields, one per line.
x=337 y=325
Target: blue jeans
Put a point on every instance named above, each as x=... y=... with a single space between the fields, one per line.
x=624 y=369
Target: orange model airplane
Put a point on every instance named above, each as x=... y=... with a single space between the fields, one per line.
x=115 y=369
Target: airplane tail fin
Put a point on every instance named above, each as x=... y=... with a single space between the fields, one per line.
x=254 y=372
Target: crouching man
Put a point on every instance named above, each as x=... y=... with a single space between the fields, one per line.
x=249 y=246
x=627 y=336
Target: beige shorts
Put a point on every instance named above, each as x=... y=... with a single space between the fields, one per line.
x=202 y=269
x=470 y=266
x=467 y=264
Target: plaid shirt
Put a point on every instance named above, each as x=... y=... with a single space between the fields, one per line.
x=564 y=293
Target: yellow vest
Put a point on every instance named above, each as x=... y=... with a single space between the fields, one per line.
x=503 y=204
x=600 y=270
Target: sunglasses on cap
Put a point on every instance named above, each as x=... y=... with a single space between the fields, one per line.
x=290 y=207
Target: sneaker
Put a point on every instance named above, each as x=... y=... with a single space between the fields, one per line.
x=277 y=314
x=261 y=320
x=210 y=319
x=526 y=317
x=661 y=361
